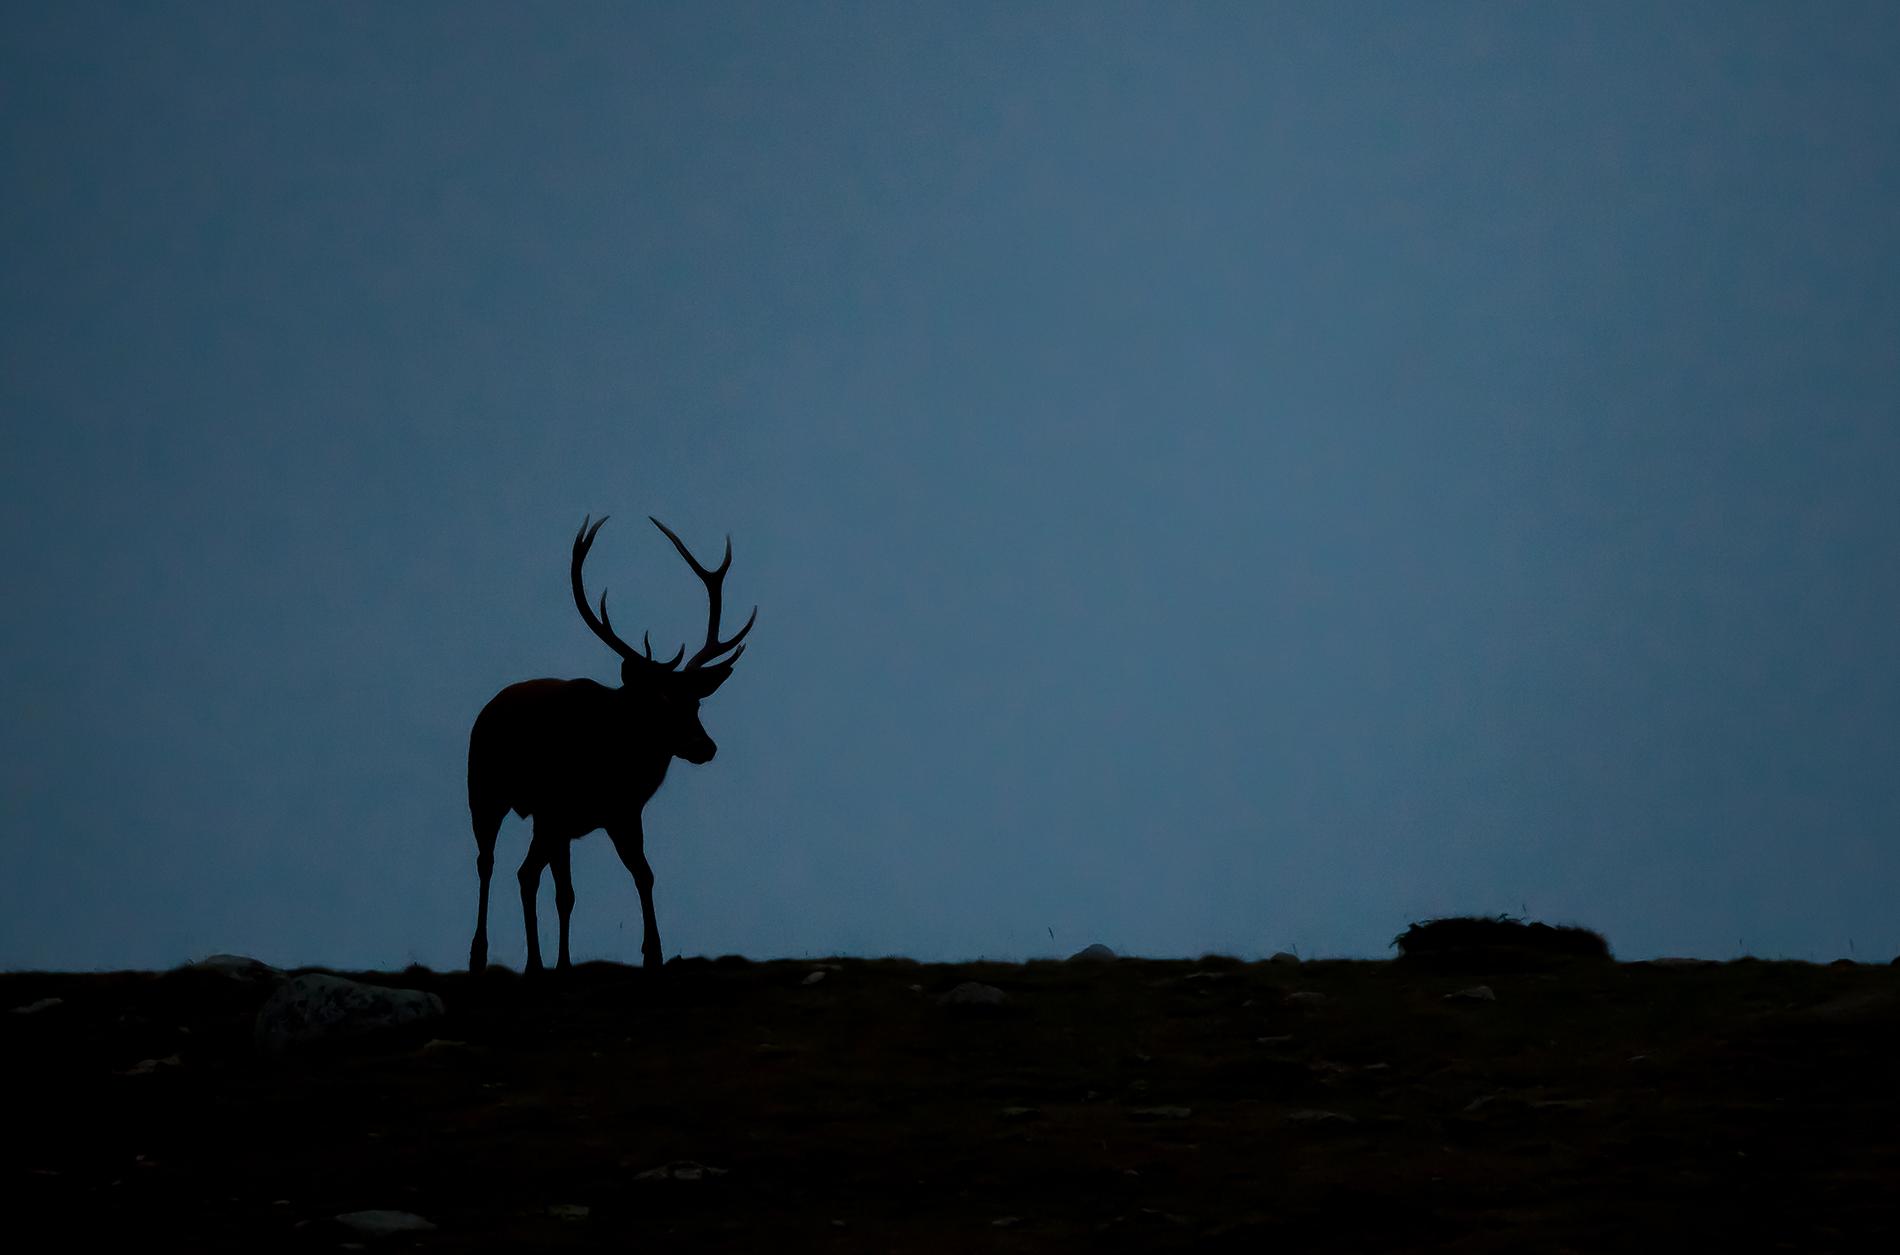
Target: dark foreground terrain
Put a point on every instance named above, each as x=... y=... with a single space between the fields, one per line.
x=1129 y=1105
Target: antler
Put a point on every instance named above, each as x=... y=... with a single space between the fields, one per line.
x=714 y=582
x=603 y=626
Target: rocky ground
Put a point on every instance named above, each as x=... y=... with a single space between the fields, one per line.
x=856 y=1105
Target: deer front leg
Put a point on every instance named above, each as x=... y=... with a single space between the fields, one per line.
x=486 y=827
x=630 y=844
x=530 y=878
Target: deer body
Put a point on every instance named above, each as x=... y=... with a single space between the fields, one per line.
x=566 y=752
x=576 y=756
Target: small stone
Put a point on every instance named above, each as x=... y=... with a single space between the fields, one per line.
x=1311 y=1118
x=1095 y=953
x=1306 y=997
x=568 y=1211
x=377 y=1222
x=44 y=1004
x=1477 y=993
x=1284 y=958
x=1161 y=1113
x=1006 y=1222
x=444 y=1046
x=1022 y=1113
x=972 y=994
x=681 y=1170
x=145 y=1067
x=814 y=977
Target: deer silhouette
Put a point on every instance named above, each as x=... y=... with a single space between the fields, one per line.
x=577 y=755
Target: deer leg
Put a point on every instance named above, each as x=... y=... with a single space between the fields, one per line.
x=486 y=829
x=563 y=893
x=530 y=878
x=630 y=844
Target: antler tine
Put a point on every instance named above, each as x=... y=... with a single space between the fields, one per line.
x=714 y=581
x=601 y=627
x=646 y=639
x=715 y=648
x=687 y=554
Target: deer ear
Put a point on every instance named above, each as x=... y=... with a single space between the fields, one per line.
x=704 y=682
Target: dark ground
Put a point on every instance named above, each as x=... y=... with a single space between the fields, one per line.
x=1592 y=1107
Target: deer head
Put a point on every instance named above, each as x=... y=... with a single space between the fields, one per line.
x=671 y=693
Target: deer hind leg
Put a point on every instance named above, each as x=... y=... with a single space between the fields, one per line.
x=530 y=877
x=487 y=827
x=563 y=893
x=630 y=844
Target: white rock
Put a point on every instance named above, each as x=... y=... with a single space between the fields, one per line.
x=1477 y=993
x=1308 y=997
x=972 y=994
x=44 y=1004
x=569 y=1211
x=1096 y=953
x=1319 y=1117
x=379 y=1223
x=814 y=977
x=1284 y=957
x=313 y=1008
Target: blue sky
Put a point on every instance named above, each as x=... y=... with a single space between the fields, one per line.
x=1216 y=477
